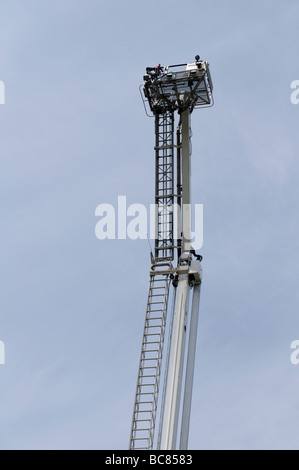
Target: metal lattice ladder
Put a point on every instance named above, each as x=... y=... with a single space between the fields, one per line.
x=148 y=381
x=164 y=187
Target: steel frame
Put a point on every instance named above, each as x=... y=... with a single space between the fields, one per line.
x=167 y=92
x=164 y=186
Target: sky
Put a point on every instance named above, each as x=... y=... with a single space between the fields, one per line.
x=73 y=135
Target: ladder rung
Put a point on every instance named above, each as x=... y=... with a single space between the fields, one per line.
x=139 y=448
x=155 y=310
x=152 y=334
x=145 y=411
x=137 y=420
x=150 y=350
x=157 y=341
x=146 y=385
x=141 y=439
x=154 y=326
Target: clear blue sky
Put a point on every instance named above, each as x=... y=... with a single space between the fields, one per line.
x=73 y=134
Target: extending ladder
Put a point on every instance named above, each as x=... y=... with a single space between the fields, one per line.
x=148 y=381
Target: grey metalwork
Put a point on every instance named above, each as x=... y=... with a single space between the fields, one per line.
x=148 y=381
x=165 y=91
x=164 y=186
x=190 y=368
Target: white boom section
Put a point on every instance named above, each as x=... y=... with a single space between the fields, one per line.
x=173 y=394
x=190 y=276
x=190 y=366
x=175 y=375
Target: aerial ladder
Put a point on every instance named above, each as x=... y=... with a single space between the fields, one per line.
x=175 y=266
